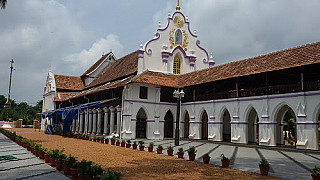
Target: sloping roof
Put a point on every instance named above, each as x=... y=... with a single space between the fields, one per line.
x=61 y=96
x=68 y=82
x=157 y=78
x=95 y=65
x=288 y=58
x=120 y=68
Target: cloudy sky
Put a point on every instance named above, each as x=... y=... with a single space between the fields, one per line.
x=68 y=36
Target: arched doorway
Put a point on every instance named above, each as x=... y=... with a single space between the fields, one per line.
x=226 y=126
x=204 y=128
x=286 y=122
x=168 y=125
x=253 y=127
x=141 y=125
x=186 y=125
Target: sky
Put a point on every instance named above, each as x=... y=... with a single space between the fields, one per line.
x=68 y=36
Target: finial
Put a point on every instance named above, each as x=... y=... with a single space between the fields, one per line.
x=141 y=46
x=187 y=18
x=159 y=25
x=169 y=14
x=211 y=57
x=178 y=7
x=211 y=62
x=102 y=53
x=195 y=32
x=110 y=50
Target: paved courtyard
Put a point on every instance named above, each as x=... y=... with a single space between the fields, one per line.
x=285 y=163
x=22 y=164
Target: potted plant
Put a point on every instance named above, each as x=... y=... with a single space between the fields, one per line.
x=150 y=147
x=42 y=152
x=111 y=175
x=192 y=153
x=60 y=161
x=123 y=143
x=180 y=153
x=113 y=140
x=94 y=171
x=128 y=145
x=206 y=158
x=141 y=145
x=316 y=173
x=47 y=157
x=117 y=142
x=134 y=145
x=68 y=163
x=264 y=167
x=170 y=150
x=159 y=149
x=53 y=157
x=74 y=171
x=84 y=168
x=224 y=161
x=106 y=140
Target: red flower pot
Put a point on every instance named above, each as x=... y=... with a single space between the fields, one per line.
x=150 y=149
x=264 y=170
x=53 y=162
x=225 y=163
x=41 y=154
x=128 y=145
x=74 y=173
x=106 y=141
x=206 y=159
x=134 y=146
x=159 y=150
x=315 y=177
x=180 y=154
x=170 y=152
x=46 y=158
x=113 y=142
x=117 y=143
x=192 y=157
x=28 y=147
x=141 y=148
x=59 y=165
x=102 y=141
x=123 y=144
x=66 y=169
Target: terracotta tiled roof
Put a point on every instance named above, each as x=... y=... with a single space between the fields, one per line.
x=61 y=96
x=120 y=68
x=95 y=65
x=157 y=78
x=288 y=58
x=68 y=82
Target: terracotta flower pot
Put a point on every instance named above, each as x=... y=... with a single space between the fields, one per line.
x=123 y=144
x=206 y=159
x=113 y=142
x=141 y=148
x=59 y=165
x=192 y=157
x=28 y=147
x=180 y=154
x=128 y=145
x=106 y=141
x=170 y=152
x=264 y=170
x=134 y=146
x=53 y=162
x=102 y=141
x=117 y=143
x=46 y=158
x=66 y=169
x=159 y=150
x=41 y=155
x=150 y=149
x=225 y=163
x=315 y=177
x=74 y=173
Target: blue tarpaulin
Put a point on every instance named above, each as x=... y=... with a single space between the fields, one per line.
x=49 y=129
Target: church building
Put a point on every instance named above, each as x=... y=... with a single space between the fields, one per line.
x=245 y=101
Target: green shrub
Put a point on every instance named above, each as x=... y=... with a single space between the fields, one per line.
x=223 y=157
x=192 y=150
x=264 y=163
x=111 y=175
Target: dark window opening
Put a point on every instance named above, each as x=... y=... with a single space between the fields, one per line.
x=143 y=92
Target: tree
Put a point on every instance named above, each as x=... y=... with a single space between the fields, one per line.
x=3 y=4
x=3 y=101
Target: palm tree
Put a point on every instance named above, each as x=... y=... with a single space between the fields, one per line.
x=3 y=4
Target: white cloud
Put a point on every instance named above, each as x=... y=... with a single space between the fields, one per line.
x=83 y=60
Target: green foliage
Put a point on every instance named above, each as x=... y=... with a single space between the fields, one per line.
x=111 y=175
x=223 y=157
x=128 y=141
x=264 y=163
x=135 y=142
x=151 y=144
x=171 y=148
x=141 y=143
x=20 y=111
x=70 y=161
x=180 y=149
x=316 y=171
x=206 y=155
x=192 y=150
x=160 y=147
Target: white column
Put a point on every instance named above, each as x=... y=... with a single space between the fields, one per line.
x=86 y=115
x=94 y=121
x=81 y=122
x=90 y=122
x=112 y=109
x=74 y=125
x=106 y=119
x=99 y=122
x=118 y=108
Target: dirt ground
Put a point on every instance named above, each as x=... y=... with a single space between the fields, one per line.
x=135 y=164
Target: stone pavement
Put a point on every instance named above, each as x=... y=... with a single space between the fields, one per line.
x=285 y=162
x=23 y=164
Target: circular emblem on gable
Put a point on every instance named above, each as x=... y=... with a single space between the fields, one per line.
x=178 y=21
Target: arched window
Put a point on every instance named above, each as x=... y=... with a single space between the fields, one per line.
x=178 y=37
x=176 y=64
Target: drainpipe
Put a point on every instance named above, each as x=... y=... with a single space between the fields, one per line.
x=86 y=98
